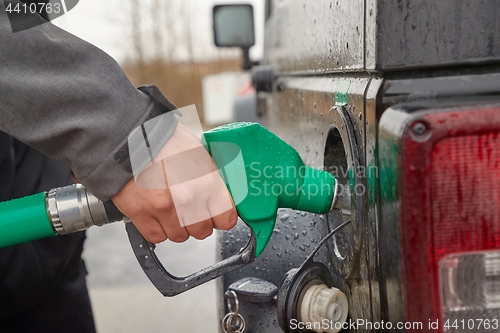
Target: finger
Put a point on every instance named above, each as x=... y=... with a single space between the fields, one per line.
x=177 y=234
x=226 y=220
x=221 y=207
x=168 y=217
x=163 y=211
x=201 y=230
x=150 y=229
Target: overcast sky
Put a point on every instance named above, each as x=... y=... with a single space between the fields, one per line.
x=105 y=23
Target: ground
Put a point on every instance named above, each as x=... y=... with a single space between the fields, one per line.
x=123 y=299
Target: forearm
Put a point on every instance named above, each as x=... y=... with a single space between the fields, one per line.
x=71 y=101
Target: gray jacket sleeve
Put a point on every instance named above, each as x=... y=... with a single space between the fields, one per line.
x=71 y=101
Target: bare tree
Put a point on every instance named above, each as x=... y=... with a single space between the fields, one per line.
x=187 y=31
x=157 y=22
x=137 y=41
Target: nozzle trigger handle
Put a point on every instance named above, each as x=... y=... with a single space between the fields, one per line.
x=170 y=285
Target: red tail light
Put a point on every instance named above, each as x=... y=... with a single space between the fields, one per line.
x=465 y=196
x=451 y=205
x=450 y=219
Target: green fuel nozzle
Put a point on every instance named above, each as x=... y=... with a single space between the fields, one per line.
x=264 y=173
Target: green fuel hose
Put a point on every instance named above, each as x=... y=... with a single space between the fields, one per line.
x=59 y=211
x=23 y=220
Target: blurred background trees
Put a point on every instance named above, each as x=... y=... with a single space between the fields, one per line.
x=170 y=49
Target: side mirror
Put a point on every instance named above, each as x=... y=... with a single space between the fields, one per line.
x=234 y=27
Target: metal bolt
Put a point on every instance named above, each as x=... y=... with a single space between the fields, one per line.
x=246 y=257
x=419 y=129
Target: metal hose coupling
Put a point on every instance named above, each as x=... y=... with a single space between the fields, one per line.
x=73 y=208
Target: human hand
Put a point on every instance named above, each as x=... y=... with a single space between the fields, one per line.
x=179 y=195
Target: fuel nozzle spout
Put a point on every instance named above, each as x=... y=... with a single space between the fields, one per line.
x=264 y=173
x=318 y=192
